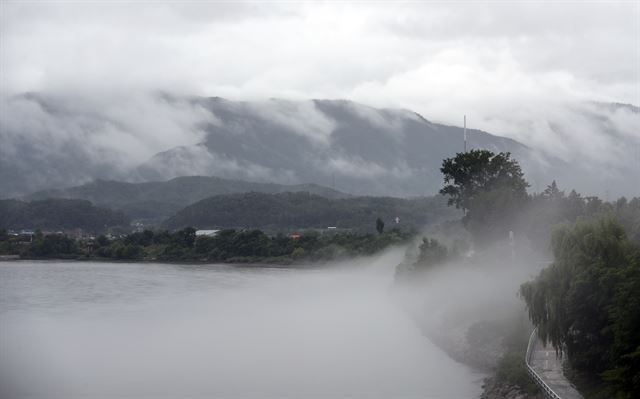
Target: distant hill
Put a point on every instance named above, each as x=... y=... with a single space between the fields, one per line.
x=159 y=200
x=58 y=214
x=368 y=151
x=50 y=141
x=289 y=211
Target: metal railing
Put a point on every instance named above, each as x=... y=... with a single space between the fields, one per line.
x=534 y=375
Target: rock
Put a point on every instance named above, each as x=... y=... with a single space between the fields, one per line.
x=493 y=389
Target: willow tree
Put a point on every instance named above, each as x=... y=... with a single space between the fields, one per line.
x=587 y=302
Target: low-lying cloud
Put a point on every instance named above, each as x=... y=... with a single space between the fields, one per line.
x=527 y=71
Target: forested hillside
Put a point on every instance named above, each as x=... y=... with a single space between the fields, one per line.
x=162 y=199
x=58 y=214
x=303 y=210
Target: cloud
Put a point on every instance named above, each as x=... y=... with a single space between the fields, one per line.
x=523 y=70
x=298 y=117
x=356 y=167
x=198 y=160
x=135 y=126
x=310 y=49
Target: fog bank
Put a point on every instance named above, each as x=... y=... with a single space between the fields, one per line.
x=126 y=330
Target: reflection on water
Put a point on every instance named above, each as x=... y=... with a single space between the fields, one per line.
x=131 y=330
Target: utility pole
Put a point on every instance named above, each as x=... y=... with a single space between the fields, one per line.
x=465 y=133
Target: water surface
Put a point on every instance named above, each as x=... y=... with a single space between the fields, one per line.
x=114 y=330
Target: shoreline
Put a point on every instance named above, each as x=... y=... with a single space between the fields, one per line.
x=166 y=262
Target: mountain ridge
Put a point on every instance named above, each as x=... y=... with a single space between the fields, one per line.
x=54 y=141
x=160 y=199
x=302 y=210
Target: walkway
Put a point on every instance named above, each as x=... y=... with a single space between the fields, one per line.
x=544 y=365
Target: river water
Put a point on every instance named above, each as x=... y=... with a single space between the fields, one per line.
x=117 y=330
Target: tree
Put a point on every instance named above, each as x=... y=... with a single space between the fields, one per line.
x=489 y=187
x=51 y=245
x=586 y=302
x=185 y=237
x=298 y=253
x=552 y=192
x=102 y=240
x=379 y=226
x=472 y=173
x=431 y=253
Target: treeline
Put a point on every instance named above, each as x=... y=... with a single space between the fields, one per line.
x=240 y=246
x=587 y=303
x=269 y=212
x=287 y=211
x=39 y=246
x=58 y=214
x=491 y=190
x=551 y=207
x=247 y=246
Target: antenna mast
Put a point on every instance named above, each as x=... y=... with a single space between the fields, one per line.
x=465 y=133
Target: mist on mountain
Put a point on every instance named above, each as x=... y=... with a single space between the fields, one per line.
x=57 y=141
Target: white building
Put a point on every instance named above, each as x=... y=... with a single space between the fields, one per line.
x=208 y=233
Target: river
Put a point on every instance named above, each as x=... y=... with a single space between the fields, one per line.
x=118 y=330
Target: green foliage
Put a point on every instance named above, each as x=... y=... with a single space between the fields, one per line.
x=161 y=199
x=552 y=207
x=51 y=245
x=511 y=369
x=587 y=303
x=295 y=211
x=431 y=253
x=121 y=251
x=472 y=173
x=424 y=257
x=58 y=214
x=185 y=237
x=102 y=241
x=143 y=238
x=489 y=187
x=244 y=246
x=298 y=253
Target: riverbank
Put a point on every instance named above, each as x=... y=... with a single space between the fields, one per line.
x=271 y=263
x=493 y=347
x=226 y=246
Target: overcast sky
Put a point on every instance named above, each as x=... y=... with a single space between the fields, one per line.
x=424 y=56
x=530 y=71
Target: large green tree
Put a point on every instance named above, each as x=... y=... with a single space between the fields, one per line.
x=489 y=187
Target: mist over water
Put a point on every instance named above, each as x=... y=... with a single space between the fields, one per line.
x=128 y=330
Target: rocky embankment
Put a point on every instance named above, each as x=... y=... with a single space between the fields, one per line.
x=478 y=346
x=494 y=389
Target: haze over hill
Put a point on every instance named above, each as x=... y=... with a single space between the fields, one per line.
x=51 y=142
x=290 y=211
x=58 y=214
x=366 y=150
x=118 y=98
x=159 y=200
